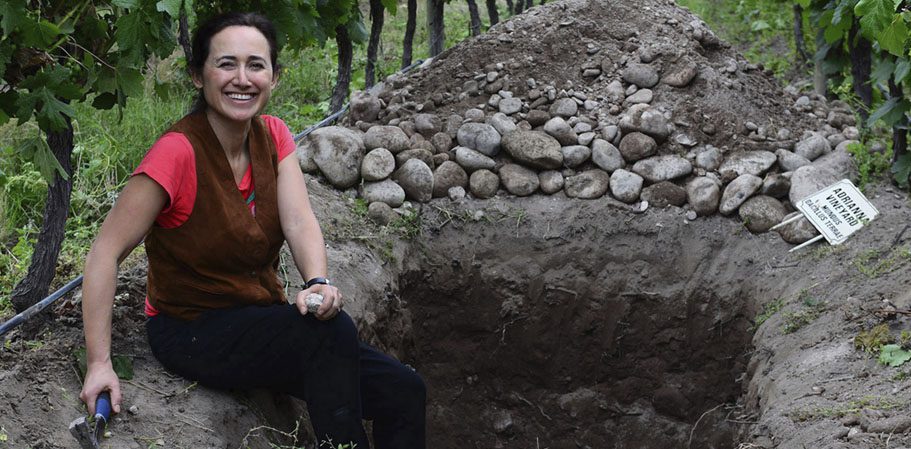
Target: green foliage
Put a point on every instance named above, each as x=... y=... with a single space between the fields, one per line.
x=842 y=409
x=755 y=26
x=901 y=170
x=893 y=355
x=874 y=263
x=873 y=340
x=122 y=365
x=769 y=309
x=806 y=313
x=870 y=165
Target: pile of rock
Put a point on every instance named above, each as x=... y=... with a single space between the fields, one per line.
x=617 y=136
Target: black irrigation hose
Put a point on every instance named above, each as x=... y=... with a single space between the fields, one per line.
x=38 y=307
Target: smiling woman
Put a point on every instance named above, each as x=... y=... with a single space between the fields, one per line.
x=215 y=198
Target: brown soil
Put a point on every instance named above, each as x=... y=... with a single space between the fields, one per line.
x=548 y=322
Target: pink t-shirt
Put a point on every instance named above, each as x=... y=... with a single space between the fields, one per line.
x=172 y=164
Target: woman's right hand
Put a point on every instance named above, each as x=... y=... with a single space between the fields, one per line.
x=100 y=377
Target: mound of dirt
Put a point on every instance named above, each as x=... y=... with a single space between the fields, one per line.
x=548 y=320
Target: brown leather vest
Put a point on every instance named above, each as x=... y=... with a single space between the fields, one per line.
x=222 y=256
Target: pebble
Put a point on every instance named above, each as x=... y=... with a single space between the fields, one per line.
x=313 y=301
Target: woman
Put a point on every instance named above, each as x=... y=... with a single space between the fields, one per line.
x=215 y=198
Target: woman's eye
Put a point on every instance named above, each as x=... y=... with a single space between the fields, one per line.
x=226 y=65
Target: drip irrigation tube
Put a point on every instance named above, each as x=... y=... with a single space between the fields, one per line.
x=41 y=305
x=38 y=307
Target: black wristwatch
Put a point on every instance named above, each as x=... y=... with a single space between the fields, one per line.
x=317 y=280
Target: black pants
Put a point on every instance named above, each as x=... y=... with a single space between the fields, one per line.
x=322 y=362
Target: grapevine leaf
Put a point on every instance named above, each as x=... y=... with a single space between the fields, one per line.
x=759 y=25
x=894 y=355
x=357 y=31
x=129 y=35
x=130 y=82
x=48 y=31
x=12 y=14
x=390 y=5
x=836 y=31
x=890 y=111
x=172 y=7
x=842 y=13
x=902 y=69
x=874 y=15
x=56 y=79
x=8 y=102
x=901 y=170
x=6 y=54
x=127 y=4
x=40 y=154
x=804 y=3
x=52 y=112
x=882 y=70
x=104 y=100
x=892 y=38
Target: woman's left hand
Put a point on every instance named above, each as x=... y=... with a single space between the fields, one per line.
x=332 y=301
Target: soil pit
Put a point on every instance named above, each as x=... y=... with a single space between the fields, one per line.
x=615 y=337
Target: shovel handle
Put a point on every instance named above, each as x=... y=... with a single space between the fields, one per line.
x=103 y=406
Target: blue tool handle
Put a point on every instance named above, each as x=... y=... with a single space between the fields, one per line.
x=103 y=406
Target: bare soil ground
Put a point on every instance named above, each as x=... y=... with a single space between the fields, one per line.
x=551 y=322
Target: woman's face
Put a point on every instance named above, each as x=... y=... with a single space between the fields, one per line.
x=237 y=77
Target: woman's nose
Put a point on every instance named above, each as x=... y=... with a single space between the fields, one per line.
x=241 y=77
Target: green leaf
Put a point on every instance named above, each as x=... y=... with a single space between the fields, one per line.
x=759 y=25
x=12 y=15
x=893 y=37
x=49 y=31
x=836 y=31
x=131 y=29
x=6 y=54
x=390 y=5
x=105 y=100
x=893 y=355
x=842 y=13
x=51 y=116
x=901 y=170
x=874 y=15
x=40 y=154
x=123 y=366
x=882 y=70
x=129 y=81
x=172 y=7
x=128 y=4
x=902 y=69
x=889 y=112
x=804 y=3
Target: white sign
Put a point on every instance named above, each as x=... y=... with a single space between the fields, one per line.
x=838 y=210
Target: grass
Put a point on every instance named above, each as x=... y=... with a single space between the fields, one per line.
x=109 y=144
x=809 y=310
x=849 y=408
x=761 y=29
x=769 y=309
x=874 y=263
x=870 y=166
x=873 y=340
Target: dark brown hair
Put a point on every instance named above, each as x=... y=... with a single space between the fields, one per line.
x=202 y=40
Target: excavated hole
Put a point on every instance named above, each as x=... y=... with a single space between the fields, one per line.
x=602 y=341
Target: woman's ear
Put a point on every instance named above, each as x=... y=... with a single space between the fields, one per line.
x=276 y=76
x=197 y=80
